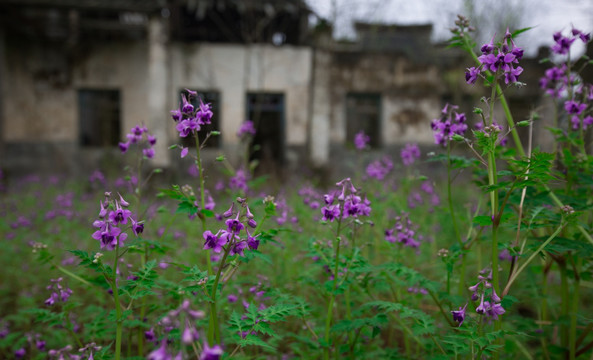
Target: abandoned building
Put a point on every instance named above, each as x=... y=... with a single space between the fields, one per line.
x=78 y=74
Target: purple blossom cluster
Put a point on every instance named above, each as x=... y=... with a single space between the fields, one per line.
x=247 y=128
x=403 y=232
x=239 y=181
x=348 y=203
x=284 y=210
x=59 y=292
x=379 y=169
x=557 y=80
x=361 y=140
x=448 y=124
x=135 y=136
x=231 y=238
x=499 y=59
x=190 y=119
x=310 y=196
x=410 y=153
x=182 y=317
x=112 y=215
x=563 y=43
x=492 y=308
x=576 y=111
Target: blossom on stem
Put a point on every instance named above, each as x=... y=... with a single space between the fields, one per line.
x=459 y=315
x=361 y=140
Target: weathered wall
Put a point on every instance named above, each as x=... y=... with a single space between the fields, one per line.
x=410 y=95
x=235 y=70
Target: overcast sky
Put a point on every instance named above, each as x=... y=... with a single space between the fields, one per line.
x=547 y=16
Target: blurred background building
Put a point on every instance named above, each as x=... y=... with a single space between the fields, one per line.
x=76 y=75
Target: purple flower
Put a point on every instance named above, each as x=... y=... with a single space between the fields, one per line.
x=459 y=315
x=160 y=353
x=186 y=107
x=149 y=152
x=252 y=242
x=234 y=225
x=123 y=147
x=204 y=113
x=410 y=153
x=238 y=248
x=119 y=216
x=137 y=227
x=450 y=123
x=214 y=242
x=471 y=75
x=498 y=60
x=247 y=128
x=59 y=292
x=211 y=353
x=573 y=107
x=20 y=353
x=330 y=212
x=361 y=140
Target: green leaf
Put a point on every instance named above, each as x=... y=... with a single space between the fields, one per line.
x=253 y=340
x=516 y=33
x=483 y=220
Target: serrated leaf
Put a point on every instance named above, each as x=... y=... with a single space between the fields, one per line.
x=253 y=340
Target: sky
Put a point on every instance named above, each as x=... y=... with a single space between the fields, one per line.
x=546 y=16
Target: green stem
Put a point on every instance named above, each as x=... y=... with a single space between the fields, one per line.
x=214 y=331
x=450 y=198
x=524 y=265
x=574 y=312
x=72 y=275
x=330 y=305
x=118 y=311
x=565 y=301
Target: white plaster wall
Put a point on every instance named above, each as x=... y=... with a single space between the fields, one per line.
x=419 y=131
x=235 y=70
x=33 y=109
x=122 y=66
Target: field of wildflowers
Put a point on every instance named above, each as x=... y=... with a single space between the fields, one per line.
x=376 y=266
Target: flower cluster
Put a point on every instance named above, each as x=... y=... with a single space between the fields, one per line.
x=58 y=292
x=555 y=80
x=378 y=169
x=189 y=119
x=247 y=128
x=361 y=140
x=563 y=43
x=135 y=136
x=182 y=317
x=109 y=232
x=450 y=123
x=490 y=308
x=403 y=232
x=231 y=238
x=498 y=59
x=575 y=110
x=349 y=204
x=239 y=181
x=63 y=353
x=410 y=153
x=310 y=197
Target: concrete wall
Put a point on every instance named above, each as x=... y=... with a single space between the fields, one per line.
x=235 y=70
x=410 y=95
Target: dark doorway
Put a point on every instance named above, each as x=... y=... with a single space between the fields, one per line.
x=363 y=113
x=266 y=110
x=99 y=117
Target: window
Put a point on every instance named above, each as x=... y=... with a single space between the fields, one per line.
x=363 y=113
x=266 y=110
x=99 y=117
x=212 y=98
